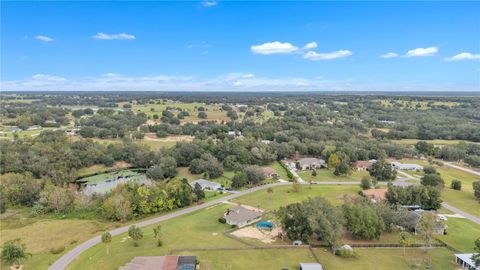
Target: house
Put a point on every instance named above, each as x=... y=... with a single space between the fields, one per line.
x=465 y=261
x=234 y=133
x=377 y=194
x=241 y=216
x=361 y=165
x=35 y=127
x=206 y=184
x=162 y=263
x=266 y=141
x=311 y=163
x=14 y=129
x=408 y=167
x=310 y=266
x=413 y=220
x=269 y=172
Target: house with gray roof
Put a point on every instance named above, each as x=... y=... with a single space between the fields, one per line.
x=241 y=216
x=206 y=184
x=311 y=163
x=310 y=266
x=465 y=261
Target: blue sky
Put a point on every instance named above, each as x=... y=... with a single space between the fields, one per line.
x=240 y=46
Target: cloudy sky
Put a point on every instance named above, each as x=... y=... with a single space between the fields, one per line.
x=240 y=46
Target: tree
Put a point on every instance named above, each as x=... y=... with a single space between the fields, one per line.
x=14 y=253
x=476 y=255
x=404 y=239
x=425 y=227
x=239 y=180
x=476 y=189
x=456 y=184
x=56 y=198
x=314 y=173
x=198 y=191
x=157 y=234
x=433 y=180
x=117 y=207
x=202 y=115
x=363 y=222
x=426 y=196
x=20 y=189
x=424 y=147
x=366 y=183
x=295 y=222
x=107 y=239
x=429 y=170
x=342 y=169
x=333 y=161
x=382 y=171
x=135 y=233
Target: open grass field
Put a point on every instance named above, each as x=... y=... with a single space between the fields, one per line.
x=387 y=259
x=461 y=233
x=284 y=195
x=152 y=144
x=225 y=179
x=252 y=259
x=198 y=229
x=462 y=200
x=327 y=175
x=45 y=236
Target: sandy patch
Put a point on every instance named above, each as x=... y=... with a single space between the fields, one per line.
x=265 y=236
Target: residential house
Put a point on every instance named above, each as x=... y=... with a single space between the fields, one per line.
x=161 y=263
x=269 y=172
x=234 y=133
x=241 y=216
x=311 y=163
x=266 y=141
x=206 y=184
x=465 y=261
x=408 y=167
x=413 y=220
x=361 y=165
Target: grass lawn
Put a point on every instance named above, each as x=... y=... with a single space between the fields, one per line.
x=252 y=259
x=461 y=233
x=462 y=200
x=284 y=195
x=43 y=235
x=377 y=258
x=225 y=179
x=327 y=175
x=198 y=229
x=213 y=111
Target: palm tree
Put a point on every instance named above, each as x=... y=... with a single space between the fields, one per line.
x=107 y=239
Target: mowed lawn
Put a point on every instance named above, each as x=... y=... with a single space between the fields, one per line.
x=388 y=259
x=225 y=179
x=194 y=230
x=213 y=112
x=461 y=233
x=327 y=175
x=274 y=259
x=284 y=195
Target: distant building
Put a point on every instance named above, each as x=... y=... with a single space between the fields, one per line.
x=361 y=165
x=408 y=167
x=266 y=141
x=269 y=172
x=465 y=261
x=161 y=263
x=34 y=127
x=14 y=129
x=234 y=133
x=241 y=216
x=311 y=163
x=206 y=184
x=310 y=266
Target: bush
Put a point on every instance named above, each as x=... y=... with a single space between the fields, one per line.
x=456 y=184
x=57 y=250
x=222 y=220
x=366 y=183
x=345 y=253
x=38 y=210
x=476 y=189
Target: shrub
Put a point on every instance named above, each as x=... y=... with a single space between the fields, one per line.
x=366 y=183
x=456 y=184
x=57 y=250
x=345 y=253
x=222 y=220
x=38 y=210
x=476 y=189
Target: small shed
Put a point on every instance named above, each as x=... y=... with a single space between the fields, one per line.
x=310 y=266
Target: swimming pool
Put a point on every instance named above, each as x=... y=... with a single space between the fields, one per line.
x=265 y=225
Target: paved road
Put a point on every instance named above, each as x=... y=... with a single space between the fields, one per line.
x=74 y=253
x=458 y=211
x=461 y=168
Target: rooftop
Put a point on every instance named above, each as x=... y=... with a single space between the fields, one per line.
x=240 y=214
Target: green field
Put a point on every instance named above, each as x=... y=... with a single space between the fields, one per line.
x=327 y=175
x=387 y=259
x=461 y=233
x=225 y=179
x=284 y=195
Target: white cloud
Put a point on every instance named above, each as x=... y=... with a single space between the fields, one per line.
x=389 y=55
x=48 y=77
x=418 y=52
x=314 y=56
x=121 y=36
x=464 y=56
x=275 y=47
x=311 y=45
x=209 y=3
x=43 y=38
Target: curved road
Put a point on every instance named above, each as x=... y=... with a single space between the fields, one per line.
x=68 y=257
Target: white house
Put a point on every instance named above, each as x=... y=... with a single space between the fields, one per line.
x=465 y=261
x=311 y=163
x=206 y=184
x=408 y=167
